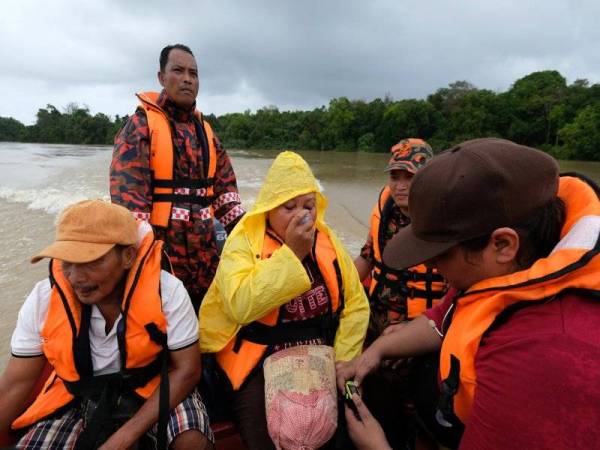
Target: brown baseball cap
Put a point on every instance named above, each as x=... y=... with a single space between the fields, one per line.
x=468 y=191
x=410 y=155
x=87 y=230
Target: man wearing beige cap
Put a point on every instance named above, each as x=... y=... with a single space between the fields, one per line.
x=120 y=336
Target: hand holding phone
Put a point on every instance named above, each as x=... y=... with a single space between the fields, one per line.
x=349 y=391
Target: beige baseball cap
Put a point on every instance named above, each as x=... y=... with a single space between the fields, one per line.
x=88 y=230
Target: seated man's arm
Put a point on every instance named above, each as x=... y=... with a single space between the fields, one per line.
x=184 y=374
x=16 y=385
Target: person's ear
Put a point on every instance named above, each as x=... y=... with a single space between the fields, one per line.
x=505 y=244
x=161 y=78
x=129 y=256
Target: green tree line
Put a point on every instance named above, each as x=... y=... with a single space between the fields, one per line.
x=540 y=110
x=75 y=125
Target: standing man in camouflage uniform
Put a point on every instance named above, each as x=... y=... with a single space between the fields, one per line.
x=169 y=169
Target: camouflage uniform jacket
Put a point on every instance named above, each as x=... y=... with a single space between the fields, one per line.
x=380 y=317
x=189 y=238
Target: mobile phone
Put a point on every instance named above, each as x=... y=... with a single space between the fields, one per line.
x=349 y=390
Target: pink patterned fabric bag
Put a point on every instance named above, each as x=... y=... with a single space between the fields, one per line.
x=301 y=397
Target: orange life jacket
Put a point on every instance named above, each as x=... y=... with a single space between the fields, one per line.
x=165 y=188
x=477 y=309
x=245 y=350
x=423 y=287
x=69 y=355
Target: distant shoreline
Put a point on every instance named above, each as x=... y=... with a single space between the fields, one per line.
x=539 y=110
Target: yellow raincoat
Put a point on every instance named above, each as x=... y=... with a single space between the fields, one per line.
x=246 y=287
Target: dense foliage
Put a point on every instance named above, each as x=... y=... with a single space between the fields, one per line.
x=539 y=109
x=75 y=125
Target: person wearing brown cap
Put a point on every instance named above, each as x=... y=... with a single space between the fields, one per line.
x=520 y=345
x=120 y=336
x=395 y=295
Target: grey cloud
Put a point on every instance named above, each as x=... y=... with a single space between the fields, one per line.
x=290 y=54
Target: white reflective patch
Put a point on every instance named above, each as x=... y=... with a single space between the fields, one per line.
x=584 y=234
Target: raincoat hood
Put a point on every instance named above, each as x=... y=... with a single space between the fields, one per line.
x=289 y=176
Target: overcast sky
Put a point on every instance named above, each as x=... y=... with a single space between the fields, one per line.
x=292 y=54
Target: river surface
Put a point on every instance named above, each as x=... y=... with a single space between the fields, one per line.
x=38 y=180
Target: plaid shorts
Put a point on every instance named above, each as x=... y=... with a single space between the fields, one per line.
x=62 y=432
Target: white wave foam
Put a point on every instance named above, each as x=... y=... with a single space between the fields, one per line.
x=252 y=183
x=49 y=200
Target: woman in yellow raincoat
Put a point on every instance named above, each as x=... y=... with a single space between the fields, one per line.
x=284 y=279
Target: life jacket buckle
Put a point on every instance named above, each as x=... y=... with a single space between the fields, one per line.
x=448 y=389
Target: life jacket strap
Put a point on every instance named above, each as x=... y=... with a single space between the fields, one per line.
x=183 y=183
x=405 y=274
x=127 y=380
x=174 y=197
x=385 y=270
x=81 y=344
x=105 y=391
x=448 y=389
x=202 y=200
x=320 y=327
x=412 y=293
x=163 y=402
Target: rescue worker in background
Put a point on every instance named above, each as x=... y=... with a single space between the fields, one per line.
x=520 y=345
x=120 y=336
x=169 y=169
x=395 y=295
x=284 y=280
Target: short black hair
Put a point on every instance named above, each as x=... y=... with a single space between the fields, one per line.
x=164 y=54
x=538 y=234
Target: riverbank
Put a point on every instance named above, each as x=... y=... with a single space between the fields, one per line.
x=540 y=110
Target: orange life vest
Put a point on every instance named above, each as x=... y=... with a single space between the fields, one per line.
x=165 y=188
x=423 y=287
x=142 y=308
x=477 y=309
x=245 y=350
